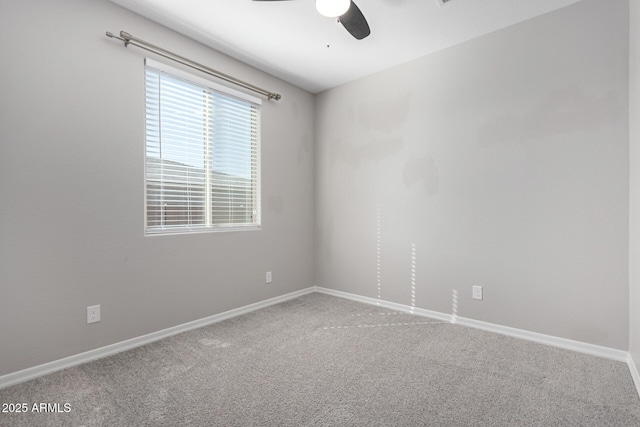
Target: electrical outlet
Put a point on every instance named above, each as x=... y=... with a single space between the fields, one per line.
x=268 y=278
x=93 y=314
x=476 y=292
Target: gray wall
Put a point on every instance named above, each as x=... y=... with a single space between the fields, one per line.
x=634 y=211
x=501 y=162
x=71 y=190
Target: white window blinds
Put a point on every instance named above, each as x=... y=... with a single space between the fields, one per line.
x=202 y=156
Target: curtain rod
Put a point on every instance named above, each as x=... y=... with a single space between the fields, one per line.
x=128 y=39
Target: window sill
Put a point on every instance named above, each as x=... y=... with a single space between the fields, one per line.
x=200 y=230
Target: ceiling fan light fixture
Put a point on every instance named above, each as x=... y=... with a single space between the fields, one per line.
x=332 y=8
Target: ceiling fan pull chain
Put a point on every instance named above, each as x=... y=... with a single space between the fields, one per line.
x=327 y=31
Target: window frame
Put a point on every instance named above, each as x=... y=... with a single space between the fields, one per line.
x=189 y=77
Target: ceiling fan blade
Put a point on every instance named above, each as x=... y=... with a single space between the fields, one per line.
x=353 y=20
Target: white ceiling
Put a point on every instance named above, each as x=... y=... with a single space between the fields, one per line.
x=288 y=39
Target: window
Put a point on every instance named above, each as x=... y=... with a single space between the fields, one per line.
x=202 y=154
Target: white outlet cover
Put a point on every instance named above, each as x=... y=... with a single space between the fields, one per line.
x=476 y=292
x=93 y=314
x=268 y=278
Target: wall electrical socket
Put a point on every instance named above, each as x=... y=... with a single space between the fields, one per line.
x=476 y=292
x=268 y=278
x=93 y=314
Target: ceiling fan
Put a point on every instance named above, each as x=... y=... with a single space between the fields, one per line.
x=348 y=14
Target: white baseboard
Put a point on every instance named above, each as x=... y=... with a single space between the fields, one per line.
x=78 y=359
x=581 y=347
x=634 y=372
x=98 y=353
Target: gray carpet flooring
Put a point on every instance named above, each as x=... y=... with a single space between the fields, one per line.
x=325 y=361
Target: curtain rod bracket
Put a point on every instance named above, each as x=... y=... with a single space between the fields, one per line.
x=128 y=39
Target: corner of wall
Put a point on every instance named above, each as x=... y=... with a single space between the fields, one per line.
x=634 y=190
